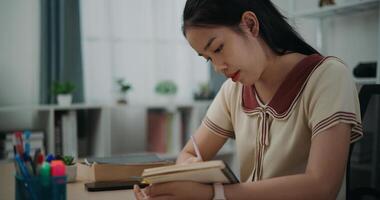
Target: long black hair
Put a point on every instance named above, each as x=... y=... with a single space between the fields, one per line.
x=274 y=29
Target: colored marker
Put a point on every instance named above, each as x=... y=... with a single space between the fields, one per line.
x=49 y=158
x=45 y=174
x=57 y=168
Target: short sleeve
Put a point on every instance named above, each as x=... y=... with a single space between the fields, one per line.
x=218 y=116
x=333 y=99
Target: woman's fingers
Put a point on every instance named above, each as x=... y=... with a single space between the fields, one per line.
x=192 y=160
x=139 y=194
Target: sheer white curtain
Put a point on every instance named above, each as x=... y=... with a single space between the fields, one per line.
x=141 y=41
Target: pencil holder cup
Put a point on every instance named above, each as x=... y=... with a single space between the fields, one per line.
x=37 y=189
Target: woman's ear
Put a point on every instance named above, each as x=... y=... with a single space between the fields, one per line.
x=250 y=23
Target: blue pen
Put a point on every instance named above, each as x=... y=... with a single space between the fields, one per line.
x=26 y=176
x=27 y=142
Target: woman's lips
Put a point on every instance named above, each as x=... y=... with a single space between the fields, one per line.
x=235 y=76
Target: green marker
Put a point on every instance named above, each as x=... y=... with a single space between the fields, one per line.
x=45 y=174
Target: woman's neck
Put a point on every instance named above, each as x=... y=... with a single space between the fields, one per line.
x=277 y=69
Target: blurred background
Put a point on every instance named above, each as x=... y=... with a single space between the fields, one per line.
x=136 y=84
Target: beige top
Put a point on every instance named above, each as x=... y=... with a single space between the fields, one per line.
x=274 y=140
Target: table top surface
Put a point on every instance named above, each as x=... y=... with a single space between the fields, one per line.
x=74 y=190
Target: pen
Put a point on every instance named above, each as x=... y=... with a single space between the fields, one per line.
x=27 y=142
x=16 y=165
x=35 y=160
x=19 y=143
x=199 y=156
x=25 y=176
x=28 y=162
x=40 y=160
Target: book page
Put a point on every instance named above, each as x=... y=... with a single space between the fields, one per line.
x=211 y=175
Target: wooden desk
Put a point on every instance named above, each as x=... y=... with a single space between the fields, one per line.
x=74 y=190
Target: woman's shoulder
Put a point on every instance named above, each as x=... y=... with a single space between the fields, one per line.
x=331 y=64
x=331 y=74
x=231 y=86
x=230 y=91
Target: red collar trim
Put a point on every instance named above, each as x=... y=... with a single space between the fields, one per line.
x=287 y=93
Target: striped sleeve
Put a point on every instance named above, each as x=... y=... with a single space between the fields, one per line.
x=218 y=116
x=333 y=100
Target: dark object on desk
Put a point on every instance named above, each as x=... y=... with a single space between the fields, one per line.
x=112 y=185
x=365 y=70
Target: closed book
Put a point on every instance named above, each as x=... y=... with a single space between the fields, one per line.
x=215 y=171
x=118 y=168
x=33 y=136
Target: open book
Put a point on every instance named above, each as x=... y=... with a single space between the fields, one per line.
x=215 y=171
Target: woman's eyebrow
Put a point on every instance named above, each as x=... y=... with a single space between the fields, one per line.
x=209 y=43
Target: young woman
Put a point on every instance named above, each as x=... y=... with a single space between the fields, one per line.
x=291 y=111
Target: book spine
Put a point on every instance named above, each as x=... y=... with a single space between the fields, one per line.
x=58 y=134
x=157 y=131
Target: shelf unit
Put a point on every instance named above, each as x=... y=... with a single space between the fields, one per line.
x=343 y=9
x=195 y=112
x=347 y=8
x=98 y=116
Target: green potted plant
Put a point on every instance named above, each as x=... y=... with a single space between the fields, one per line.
x=63 y=91
x=124 y=87
x=204 y=92
x=166 y=90
x=71 y=168
x=166 y=87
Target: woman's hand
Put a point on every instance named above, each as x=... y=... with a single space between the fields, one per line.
x=175 y=190
x=191 y=160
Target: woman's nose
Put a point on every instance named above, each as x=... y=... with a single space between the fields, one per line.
x=219 y=67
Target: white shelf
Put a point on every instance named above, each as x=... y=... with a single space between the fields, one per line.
x=175 y=105
x=346 y=8
x=363 y=81
x=50 y=107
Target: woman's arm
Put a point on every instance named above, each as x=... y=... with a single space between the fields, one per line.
x=208 y=144
x=322 y=179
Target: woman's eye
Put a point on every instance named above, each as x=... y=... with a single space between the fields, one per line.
x=219 y=49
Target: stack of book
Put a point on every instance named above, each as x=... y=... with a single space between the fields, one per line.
x=7 y=140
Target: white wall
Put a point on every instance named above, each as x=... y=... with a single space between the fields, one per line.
x=19 y=59
x=140 y=41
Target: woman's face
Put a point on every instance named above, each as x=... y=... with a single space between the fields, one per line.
x=239 y=57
